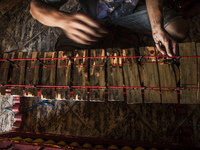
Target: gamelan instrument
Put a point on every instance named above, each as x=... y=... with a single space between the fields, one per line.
x=112 y=74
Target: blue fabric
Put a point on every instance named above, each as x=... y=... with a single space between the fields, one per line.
x=139 y=20
x=45 y=102
x=101 y=8
x=131 y=14
x=115 y=8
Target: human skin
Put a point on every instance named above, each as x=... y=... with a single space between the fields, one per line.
x=79 y=27
x=86 y=30
x=160 y=35
x=165 y=38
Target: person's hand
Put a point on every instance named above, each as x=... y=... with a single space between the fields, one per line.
x=164 y=42
x=81 y=28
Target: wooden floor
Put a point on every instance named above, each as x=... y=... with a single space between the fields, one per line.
x=150 y=122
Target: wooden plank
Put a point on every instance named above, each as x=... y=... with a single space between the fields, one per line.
x=80 y=75
x=97 y=75
x=49 y=75
x=114 y=74
x=18 y=77
x=4 y=70
x=63 y=75
x=131 y=77
x=198 y=73
x=32 y=74
x=188 y=73
x=150 y=75
x=168 y=78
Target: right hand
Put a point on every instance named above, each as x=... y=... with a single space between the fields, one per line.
x=81 y=28
x=164 y=42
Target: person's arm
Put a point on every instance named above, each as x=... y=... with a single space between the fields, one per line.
x=160 y=35
x=79 y=27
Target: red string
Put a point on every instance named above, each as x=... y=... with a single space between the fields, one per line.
x=2 y=59
x=52 y=58
x=123 y=56
x=49 y=66
x=115 y=65
x=96 y=65
x=87 y=57
x=88 y=87
x=52 y=86
x=62 y=66
x=33 y=67
x=5 y=67
x=18 y=85
x=100 y=57
x=18 y=59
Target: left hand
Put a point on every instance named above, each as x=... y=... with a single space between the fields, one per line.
x=164 y=42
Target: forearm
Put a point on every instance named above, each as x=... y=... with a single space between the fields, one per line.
x=79 y=27
x=155 y=8
x=46 y=14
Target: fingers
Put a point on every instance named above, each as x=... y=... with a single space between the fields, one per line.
x=84 y=38
x=91 y=22
x=79 y=26
x=82 y=29
x=87 y=20
x=165 y=43
x=174 y=47
x=158 y=46
x=167 y=47
x=170 y=46
x=78 y=40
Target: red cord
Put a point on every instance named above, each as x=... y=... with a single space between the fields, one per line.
x=33 y=67
x=18 y=85
x=87 y=57
x=49 y=66
x=2 y=59
x=62 y=66
x=100 y=57
x=52 y=86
